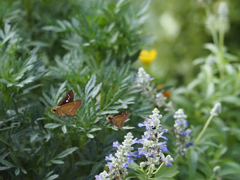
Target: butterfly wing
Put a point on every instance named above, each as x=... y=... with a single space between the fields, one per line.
x=71 y=108
x=67 y=99
x=120 y=118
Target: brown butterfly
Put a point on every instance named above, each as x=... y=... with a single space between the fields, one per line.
x=118 y=119
x=67 y=107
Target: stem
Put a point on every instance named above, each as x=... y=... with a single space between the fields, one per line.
x=213 y=32
x=220 y=49
x=149 y=171
x=204 y=129
x=176 y=157
x=212 y=176
x=158 y=169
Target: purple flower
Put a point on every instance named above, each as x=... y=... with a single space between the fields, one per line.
x=108 y=157
x=138 y=140
x=150 y=78
x=116 y=144
x=136 y=80
x=189 y=144
x=98 y=177
x=163 y=146
x=179 y=122
x=141 y=124
x=165 y=130
x=168 y=164
x=109 y=165
x=153 y=118
x=141 y=151
x=185 y=133
x=131 y=154
x=130 y=160
x=152 y=155
x=124 y=165
x=161 y=136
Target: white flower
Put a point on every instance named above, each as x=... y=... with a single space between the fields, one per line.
x=216 y=109
x=143 y=78
x=160 y=99
x=223 y=9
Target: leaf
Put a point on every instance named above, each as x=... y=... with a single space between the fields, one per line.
x=33 y=137
x=163 y=178
x=109 y=94
x=4 y=155
x=26 y=81
x=52 y=177
x=95 y=129
x=90 y=135
x=48 y=99
x=96 y=167
x=66 y=152
x=102 y=97
x=230 y=99
x=119 y=3
x=57 y=161
x=52 y=28
x=17 y=171
x=144 y=7
x=23 y=171
x=109 y=112
x=52 y=125
x=93 y=105
x=128 y=127
x=2 y=168
x=117 y=96
x=114 y=37
x=61 y=90
x=7 y=163
x=210 y=90
x=131 y=175
x=167 y=172
x=48 y=174
x=95 y=91
x=85 y=162
x=211 y=47
x=134 y=166
x=90 y=84
x=64 y=129
x=192 y=163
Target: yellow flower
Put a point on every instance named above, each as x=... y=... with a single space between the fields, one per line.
x=147 y=56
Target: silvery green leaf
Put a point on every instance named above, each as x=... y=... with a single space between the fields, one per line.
x=52 y=177
x=90 y=135
x=33 y=137
x=66 y=152
x=64 y=129
x=57 y=161
x=52 y=125
x=95 y=129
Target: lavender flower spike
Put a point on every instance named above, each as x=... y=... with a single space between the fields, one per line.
x=182 y=132
x=153 y=149
x=119 y=162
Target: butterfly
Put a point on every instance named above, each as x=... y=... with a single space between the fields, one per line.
x=67 y=107
x=118 y=119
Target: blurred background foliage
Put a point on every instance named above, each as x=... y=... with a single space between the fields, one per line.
x=92 y=47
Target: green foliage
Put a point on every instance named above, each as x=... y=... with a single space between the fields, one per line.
x=35 y=142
